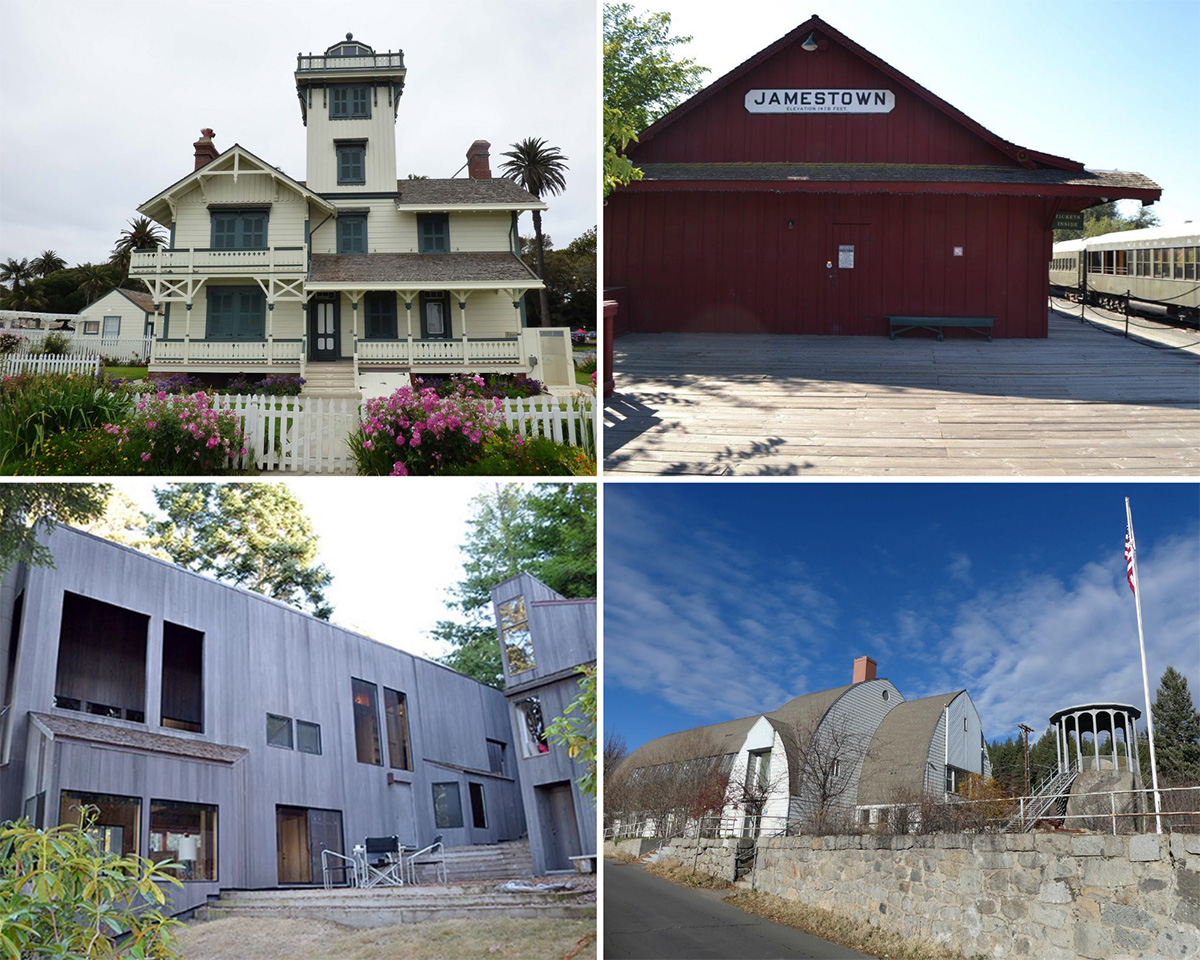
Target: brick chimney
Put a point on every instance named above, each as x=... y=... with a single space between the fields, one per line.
x=864 y=669
x=477 y=161
x=205 y=151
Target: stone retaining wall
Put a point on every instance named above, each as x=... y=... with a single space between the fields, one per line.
x=1053 y=897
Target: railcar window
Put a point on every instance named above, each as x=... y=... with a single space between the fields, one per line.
x=1189 y=263
x=1157 y=262
x=1121 y=262
x=1095 y=261
x=1179 y=263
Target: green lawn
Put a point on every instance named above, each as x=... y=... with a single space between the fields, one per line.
x=126 y=373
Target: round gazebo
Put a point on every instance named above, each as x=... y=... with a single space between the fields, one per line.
x=1096 y=718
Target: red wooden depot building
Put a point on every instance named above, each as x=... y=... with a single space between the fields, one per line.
x=816 y=189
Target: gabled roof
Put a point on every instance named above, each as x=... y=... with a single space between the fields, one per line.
x=894 y=767
x=217 y=165
x=1020 y=155
x=143 y=301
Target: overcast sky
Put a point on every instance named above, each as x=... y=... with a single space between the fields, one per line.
x=723 y=600
x=392 y=557
x=100 y=102
x=1100 y=81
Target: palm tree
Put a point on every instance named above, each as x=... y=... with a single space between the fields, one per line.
x=15 y=272
x=49 y=262
x=24 y=299
x=539 y=168
x=93 y=282
x=142 y=234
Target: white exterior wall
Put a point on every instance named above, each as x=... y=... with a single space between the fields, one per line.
x=395 y=231
x=285 y=225
x=112 y=304
x=761 y=736
x=379 y=132
x=287 y=323
x=965 y=744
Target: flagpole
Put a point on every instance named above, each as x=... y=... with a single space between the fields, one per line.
x=1137 y=598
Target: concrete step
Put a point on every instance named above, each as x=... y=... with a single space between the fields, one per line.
x=386 y=916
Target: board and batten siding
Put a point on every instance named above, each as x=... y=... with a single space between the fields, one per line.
x=395 y=231
x=260 y=657
x=286 y=324
x=379 y=130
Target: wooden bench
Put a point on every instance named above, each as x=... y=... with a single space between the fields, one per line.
x=981 y=325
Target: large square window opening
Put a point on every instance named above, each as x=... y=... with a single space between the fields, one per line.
x=183 y=678
x=395 y=710
x=447 y=806
x=366 y=723
x=187 y=833
x=308 y=737
x=117 y=820
x=518 y=644
x=533 y=727
x=101 y=659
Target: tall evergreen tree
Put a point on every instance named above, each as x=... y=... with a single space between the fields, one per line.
x=548 y=530
x=30 y=511
x=253 y=535
x=1176 y=733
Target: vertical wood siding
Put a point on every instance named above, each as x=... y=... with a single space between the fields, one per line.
x=728 y=263
x=260 y=657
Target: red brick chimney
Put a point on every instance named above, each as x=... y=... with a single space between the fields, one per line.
x=205 y=151
x=477 y=161
x=864 y=669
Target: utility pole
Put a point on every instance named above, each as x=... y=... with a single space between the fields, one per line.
x=1026 y=730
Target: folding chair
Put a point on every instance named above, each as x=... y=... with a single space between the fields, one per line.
x=432 y=855
x=382 y=863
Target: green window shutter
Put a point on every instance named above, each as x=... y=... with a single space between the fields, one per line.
x=224 y=232
x=360 y=101
x=337 y=102
x=254 y=233
x=434 y=236
x=250 y=315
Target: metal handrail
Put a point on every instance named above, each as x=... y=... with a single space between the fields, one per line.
x=326 y=869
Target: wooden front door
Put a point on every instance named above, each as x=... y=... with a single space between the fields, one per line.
x=324 y=333
x=849 y=275
x=295 y=864
x=560 y=833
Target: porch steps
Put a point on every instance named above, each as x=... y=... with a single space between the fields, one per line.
x=499 y=861
x=329 y=380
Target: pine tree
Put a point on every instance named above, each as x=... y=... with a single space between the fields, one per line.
x=1176 y=732
x=253 y=535
x=549 y=531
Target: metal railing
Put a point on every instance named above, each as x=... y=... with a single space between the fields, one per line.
x=369 y=61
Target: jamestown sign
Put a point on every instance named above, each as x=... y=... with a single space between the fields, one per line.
x=820 y=101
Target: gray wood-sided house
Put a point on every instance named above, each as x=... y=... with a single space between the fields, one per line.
x=231 y=732
x=545 y=639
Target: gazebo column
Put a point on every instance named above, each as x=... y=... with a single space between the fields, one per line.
x=1095 y=737
x=1058 y=745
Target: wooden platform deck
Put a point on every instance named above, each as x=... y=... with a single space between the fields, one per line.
x=1081 y=403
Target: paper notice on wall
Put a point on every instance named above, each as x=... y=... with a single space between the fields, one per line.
x=846 y=256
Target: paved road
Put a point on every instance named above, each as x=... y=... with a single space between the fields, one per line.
x=647 y=917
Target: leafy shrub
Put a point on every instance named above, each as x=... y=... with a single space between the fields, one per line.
x=503 y=385
x=85 y=451
x=62 y=896
x=34 y=407
x=181 y=434
x=420 y=433
x=176 y=383
x=273 y=386
x=10 y=343
x=511 y=455
x=56 y=345
x=587 y=364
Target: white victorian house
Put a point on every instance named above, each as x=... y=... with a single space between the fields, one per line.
x=351 y=269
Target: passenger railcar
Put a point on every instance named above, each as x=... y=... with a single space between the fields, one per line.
x=1159 y=268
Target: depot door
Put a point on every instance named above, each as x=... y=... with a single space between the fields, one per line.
x=849 y=267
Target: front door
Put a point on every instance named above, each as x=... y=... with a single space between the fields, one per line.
x=324 y=332
x=560 y=833
x=295 y=863
x=848 y=279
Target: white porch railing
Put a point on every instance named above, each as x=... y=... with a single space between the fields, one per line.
x=271 y=352
x=13 y=364
x=206 y=260
x=121 y=349
x=500 y=350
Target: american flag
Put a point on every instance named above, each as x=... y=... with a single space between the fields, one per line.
x=1129 y=556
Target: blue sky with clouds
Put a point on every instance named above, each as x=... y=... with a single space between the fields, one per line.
x=722 y=600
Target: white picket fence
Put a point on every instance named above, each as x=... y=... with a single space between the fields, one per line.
x=13 y=364
x=311 y=434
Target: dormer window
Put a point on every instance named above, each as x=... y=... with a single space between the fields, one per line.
x=350 y=102
x=433 y=232
x=351 y=161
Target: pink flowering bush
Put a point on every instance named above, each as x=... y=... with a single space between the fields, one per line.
x=180 y=434
x=418 y=433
